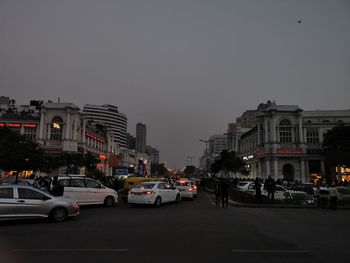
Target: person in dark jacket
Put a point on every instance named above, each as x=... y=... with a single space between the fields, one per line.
x=257 y=187
x=224 y=186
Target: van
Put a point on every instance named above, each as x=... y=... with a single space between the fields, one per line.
x=87 y=191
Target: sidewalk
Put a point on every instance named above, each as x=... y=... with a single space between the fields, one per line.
x=256 y=205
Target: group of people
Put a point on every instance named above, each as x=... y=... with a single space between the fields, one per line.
x=221 y=191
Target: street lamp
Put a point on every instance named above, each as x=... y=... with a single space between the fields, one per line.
x=206 y=153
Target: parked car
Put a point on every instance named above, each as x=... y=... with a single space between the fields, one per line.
x=299 y=198
x=185 y=188
x=153 y=193
x=20 y=202
x=343 y=194
x=87 y=191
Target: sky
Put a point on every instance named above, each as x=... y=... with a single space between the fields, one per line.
x=185 y=68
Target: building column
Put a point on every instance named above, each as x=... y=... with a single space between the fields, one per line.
x=302 y=171
x=68 y=125
x=266 y=129
x=259 y=169
x=48 y=131
x=75 y=131
x=273 y=129
x=259 y=131
x=301 y=135
x=275 y=168
x=268 y=168
x=84 y=131
x=307 y=172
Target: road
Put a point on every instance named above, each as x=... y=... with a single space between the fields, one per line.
x=192 y=231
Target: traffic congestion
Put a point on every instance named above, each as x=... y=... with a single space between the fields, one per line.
x=60 y=197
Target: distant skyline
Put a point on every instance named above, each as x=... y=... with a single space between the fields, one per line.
x=184 y=68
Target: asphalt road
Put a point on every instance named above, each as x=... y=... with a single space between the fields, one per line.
x=192 y=231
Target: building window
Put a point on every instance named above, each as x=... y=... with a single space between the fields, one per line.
x=285 y=131
x=56 y=129
x=312 y=135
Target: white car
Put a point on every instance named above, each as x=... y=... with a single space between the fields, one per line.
x=23 y=202
x=185 y=189
x=153 y=193
x=87 y=191
x=194 y=188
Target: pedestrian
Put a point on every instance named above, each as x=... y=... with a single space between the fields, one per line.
x=224 y=192
x=217 y=193
x=270 y=187
x=333 y=197
x=257 y=187
x=317 y=195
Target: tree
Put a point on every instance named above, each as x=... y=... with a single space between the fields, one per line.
x=17 y=153
x=90 y=163
x=336 y=145
x=228 y=162
x=73 y=161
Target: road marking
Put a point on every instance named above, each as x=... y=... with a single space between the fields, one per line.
x=269 y=251
x=70 y=250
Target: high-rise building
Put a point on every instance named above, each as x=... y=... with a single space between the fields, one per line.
x=153 y=153
x=109 y=116
x=131 y=142
x=141 y=137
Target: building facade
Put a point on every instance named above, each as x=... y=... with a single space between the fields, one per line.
x=141 y=135
x=109 y=116
x=287 y=142
x=61 y=127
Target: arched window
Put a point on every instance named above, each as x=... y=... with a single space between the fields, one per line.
x=56 y=129
x=285 y=128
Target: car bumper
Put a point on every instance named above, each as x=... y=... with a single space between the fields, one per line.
x=186 y=194
x=135 y=199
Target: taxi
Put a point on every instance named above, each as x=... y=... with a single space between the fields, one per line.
x=185 y=188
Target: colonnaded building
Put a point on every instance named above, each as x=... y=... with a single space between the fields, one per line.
x=286 y=143
x=60 y=127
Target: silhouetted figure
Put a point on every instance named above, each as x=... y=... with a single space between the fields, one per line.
x=57 y=189
x=270 y=187
x=224 y=186
x=217 y=193
x=257 y=186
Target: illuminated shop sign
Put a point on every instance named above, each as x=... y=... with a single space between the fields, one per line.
x=94 y=137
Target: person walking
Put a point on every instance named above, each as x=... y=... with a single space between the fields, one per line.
x=217 y=193
x=270 y=187
x=333 y=197
x=224 y=192
x=257 y=187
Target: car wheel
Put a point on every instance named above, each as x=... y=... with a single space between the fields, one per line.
x=178 y=198
x=157 y=202
x=58 y=215
x=109 y=201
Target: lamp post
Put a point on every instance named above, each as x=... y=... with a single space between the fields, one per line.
x=206 y=153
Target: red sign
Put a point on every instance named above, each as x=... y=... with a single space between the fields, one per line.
x=290 y=150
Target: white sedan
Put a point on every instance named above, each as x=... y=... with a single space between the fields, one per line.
x=153 y=193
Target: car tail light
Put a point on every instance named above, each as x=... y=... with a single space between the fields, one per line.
x=148 y=192
x=194 y=187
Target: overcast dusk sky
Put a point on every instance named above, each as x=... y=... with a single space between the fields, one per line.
x=185 y=68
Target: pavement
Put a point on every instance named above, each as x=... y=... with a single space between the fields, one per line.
x=277 y=205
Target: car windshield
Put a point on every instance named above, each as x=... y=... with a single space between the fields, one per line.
x=145 y=186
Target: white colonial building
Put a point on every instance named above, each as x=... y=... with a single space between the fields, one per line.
x=287 y=142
